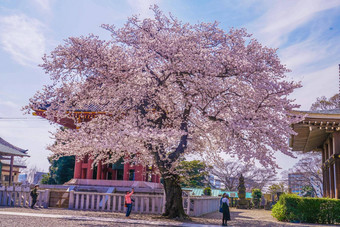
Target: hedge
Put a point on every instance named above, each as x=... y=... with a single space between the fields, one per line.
x=293 y=208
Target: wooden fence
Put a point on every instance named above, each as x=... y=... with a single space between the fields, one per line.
x=18 y=196
x=59 y=198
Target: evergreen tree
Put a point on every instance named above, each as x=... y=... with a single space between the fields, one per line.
x=60 y=171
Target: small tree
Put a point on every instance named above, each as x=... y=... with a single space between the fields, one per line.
x=307 y=191
x=193 y=173
x=207 y=191
x=277 y=189
x=256 y=195
x=60 y=171
x=324 y=103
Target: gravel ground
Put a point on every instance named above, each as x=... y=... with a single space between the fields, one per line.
x=260 y=218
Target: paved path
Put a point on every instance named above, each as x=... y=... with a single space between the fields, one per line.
x=36 y=219
x=16 y=216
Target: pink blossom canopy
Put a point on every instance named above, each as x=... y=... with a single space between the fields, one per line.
x=169 y=89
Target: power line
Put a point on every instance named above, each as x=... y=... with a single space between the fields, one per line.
x=21 y=119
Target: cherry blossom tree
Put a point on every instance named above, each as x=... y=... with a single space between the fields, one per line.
x=323 y=103
x=229 y=172
x=166 y=89
x=309 y=170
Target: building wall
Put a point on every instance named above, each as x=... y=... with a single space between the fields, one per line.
x=295 y=182
x=5 y=174
x=83 y=170
x=331 y=166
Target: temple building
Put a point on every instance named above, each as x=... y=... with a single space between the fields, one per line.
x=320 y=131
x=9 y=167
x=119 y=171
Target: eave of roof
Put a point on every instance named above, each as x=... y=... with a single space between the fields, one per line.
x=314 y=129
x=5 y=150
x=7 y=144
x=326 y=114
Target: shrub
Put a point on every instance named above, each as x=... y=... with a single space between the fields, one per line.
x=293 y=208
x=207 y=191
x=256 y=195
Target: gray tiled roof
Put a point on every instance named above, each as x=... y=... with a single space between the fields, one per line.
x=8 y=149
x=7 y=144
x=332 y=111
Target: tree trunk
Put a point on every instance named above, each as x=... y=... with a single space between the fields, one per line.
x=173 y=192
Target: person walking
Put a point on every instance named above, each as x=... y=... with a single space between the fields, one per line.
x=34 y=194
x=128 y=202
x=225 y=209
x=221 y=202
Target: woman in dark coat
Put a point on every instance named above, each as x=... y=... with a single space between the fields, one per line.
x=225 y=210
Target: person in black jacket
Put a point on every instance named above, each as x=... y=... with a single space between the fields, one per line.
x=34 y=194
x=225 y=210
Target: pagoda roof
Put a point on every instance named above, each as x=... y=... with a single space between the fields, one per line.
x=8 y=149
x=314 y=129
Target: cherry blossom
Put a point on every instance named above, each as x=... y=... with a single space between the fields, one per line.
x=165 y=89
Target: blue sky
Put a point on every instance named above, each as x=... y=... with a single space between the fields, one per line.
x=306 y=33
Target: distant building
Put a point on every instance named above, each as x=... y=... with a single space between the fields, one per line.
x=10 y=167
x=38 y=176
x=295 y=182
x=215 y=182
x=22 y=177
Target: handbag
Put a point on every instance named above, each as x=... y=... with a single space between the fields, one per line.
x=221 y=209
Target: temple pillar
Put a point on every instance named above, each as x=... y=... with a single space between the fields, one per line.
x=126 y=171
x=77 y=169
x=89 y=174
x=83 y=173
x=99 y=170
x=158 y=178
x=331 y=170
x=327 y=171
x=103 y=172
x=139 y=172
x=337 y=176
x=336 y=152
x=324 y=188
x=11 y=171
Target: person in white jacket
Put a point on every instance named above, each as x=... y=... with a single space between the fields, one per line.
x=225 y=210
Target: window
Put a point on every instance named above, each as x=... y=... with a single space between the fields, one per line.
x=132 y=175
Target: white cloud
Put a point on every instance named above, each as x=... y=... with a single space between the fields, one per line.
x=316 y=84
x=283 y=17
x=311 y=54
x=23 y=38
x=44 y=5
